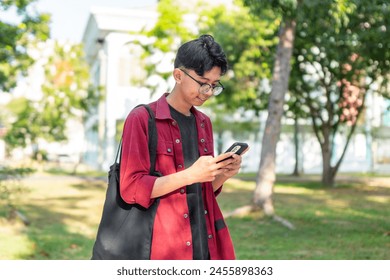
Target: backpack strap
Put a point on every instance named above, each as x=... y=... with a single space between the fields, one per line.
x=152 y=142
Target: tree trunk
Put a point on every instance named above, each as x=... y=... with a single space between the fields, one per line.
x=266 y=175
x=296 y=147
x=327 y=146
x=328 y=174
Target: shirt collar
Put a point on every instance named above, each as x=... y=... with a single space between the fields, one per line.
x=163 y=112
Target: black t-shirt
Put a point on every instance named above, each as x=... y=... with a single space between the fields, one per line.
x=189 y=135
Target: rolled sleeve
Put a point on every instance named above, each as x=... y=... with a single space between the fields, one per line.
x=143 y=191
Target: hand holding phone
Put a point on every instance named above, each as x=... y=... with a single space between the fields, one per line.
x=237 y=148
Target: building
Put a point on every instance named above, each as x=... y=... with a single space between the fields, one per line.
x=114 y=59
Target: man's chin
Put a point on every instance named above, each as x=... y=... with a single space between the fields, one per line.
x=201 y=100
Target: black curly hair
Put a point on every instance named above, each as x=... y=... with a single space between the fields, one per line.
x=201 y=55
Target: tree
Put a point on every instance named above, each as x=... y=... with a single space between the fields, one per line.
x=342 y=28
x=248 y=42
x=65 y=94
x=266 y=175
x=17 y=37
x=341 y=52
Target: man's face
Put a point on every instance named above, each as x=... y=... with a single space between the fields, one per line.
x=200 y=88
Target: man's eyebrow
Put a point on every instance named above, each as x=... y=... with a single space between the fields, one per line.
x=216 y=81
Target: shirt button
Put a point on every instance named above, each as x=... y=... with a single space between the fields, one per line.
x=177 y=141
x=185 y=216
x=205 y=212
x=174 y=123
x=169 y=150
x=202 y=125
x=180 y=166
x=182 y=191
x=188 y=243
x=202 y=140
x=210 y=236
x=205 y=149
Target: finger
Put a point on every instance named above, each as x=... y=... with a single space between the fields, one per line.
x=226 y=163
x=236 y=157
x=222 y=157
x=219 y=172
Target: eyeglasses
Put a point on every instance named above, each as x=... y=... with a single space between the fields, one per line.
x=205 y=87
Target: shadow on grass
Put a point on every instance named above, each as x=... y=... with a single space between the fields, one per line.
x=91 y=184
x=337 y=223
x=52 y=238
x=59 y=230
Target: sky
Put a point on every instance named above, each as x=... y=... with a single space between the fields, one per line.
x=69 y=17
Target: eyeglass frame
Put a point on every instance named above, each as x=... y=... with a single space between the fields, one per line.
x=211 y=87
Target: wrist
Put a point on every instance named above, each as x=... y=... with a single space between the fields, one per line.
x=187 y=177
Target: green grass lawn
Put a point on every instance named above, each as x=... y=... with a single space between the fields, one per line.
x=351 y=221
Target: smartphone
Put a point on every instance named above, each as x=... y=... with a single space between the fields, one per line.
x=237 y=148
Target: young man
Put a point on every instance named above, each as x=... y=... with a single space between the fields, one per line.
x=188 y=223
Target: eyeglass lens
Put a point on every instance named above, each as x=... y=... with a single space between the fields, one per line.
x=206 y=87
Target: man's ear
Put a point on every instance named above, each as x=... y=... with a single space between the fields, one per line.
x=177 y=75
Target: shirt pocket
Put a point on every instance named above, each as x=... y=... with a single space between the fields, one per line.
x=165 y=162
x=206 y=148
